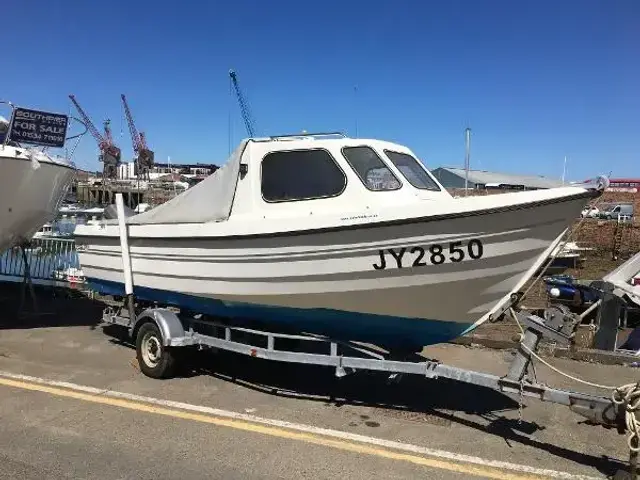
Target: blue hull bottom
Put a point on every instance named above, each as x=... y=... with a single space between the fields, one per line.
x=383 y=330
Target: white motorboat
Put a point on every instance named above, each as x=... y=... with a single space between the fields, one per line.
x=350 y=238
x=32 y=186
x=33 y=182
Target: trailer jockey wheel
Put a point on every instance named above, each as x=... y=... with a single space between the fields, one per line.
x=155 y=360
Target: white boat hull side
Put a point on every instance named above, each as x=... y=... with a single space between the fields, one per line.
x=334 y=269
x=29 y=197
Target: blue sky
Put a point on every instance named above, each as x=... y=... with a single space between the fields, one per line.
x=535 y=81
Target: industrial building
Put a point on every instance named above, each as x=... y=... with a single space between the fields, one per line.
x=630 y=185
x=453 y=178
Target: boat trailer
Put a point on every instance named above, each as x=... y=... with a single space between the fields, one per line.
x=169 y=329
x=161 y=333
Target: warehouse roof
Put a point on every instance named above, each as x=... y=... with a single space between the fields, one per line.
x=492 y=178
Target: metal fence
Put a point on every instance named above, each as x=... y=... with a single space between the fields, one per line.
x=45 y=257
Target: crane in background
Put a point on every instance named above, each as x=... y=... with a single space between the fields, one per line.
x=110 y=154
x=144 y=156
x=244 y=106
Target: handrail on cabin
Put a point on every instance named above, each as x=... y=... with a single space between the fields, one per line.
x=305 y=135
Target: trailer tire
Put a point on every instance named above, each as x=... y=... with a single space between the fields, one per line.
x=154 y=359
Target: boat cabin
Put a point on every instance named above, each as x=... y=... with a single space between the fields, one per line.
x=291 y=175
x=304 y=177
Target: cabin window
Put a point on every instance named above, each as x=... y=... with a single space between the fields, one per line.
x=415 y=174
x=371 y=169
x=301 y=175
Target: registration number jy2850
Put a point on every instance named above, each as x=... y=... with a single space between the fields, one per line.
x=435 y=254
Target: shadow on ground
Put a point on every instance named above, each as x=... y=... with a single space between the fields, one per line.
x=409 y=397
x=54 y=307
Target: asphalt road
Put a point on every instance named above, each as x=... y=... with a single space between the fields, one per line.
x=238 y=417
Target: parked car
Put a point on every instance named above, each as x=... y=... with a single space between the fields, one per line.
x=616 y=211
x=566 y=290
x=590 y=212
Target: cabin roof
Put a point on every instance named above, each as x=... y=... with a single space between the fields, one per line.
x=302 y=142
x=212 y=199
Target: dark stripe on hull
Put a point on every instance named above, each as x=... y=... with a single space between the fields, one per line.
x=475 y=217
x=103 y=246
x=553 y=218
x=371 y=274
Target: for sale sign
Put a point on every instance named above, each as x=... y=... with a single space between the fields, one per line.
x=38 y=128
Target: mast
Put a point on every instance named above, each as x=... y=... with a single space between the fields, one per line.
x=467 y=148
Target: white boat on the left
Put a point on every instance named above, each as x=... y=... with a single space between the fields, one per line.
x=33 y=182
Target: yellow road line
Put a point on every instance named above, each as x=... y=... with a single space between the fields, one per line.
x=354 y=447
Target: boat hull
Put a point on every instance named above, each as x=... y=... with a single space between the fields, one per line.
x=30 y=194
x=407 y=284
x=393 y=332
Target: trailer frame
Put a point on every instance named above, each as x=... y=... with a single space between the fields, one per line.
x=176 y=329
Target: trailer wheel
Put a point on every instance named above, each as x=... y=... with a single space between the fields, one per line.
x=155 y=360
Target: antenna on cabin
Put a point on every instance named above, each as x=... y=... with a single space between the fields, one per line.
x=467 y=148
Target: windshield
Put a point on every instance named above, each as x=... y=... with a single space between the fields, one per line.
x=412 y=171
x=370 y=168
